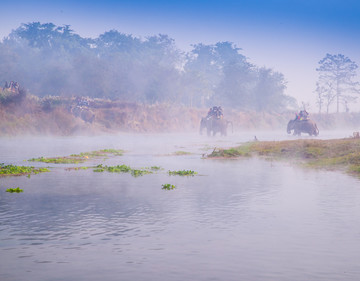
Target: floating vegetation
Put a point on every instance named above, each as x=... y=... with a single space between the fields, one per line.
x=60 y=160
x=77 y=168
x=79 y=158
x=13 y=170
x=121 y=169
x=179 y=153
x=182 y=173
x=155 y=168
x=138 y=173
x=100 y=153
x=168 y=186
x=16 y=190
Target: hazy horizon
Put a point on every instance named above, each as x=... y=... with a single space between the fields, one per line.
x=288 y=36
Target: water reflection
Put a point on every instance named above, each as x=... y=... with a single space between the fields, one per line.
x=243 y=219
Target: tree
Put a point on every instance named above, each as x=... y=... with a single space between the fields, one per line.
x=53 y=60
x=325 y=94
x=202 y=63
x=268 y=92
x=336 y=80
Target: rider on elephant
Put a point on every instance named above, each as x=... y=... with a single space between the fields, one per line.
x=304 y=115
x=215 y=111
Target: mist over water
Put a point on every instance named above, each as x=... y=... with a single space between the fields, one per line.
x=236 y=219
x=244 y=219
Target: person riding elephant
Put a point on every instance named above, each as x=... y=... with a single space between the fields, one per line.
x=215 y=112
x=302 y=126
x=303 y=115
x=214 y=126
x=84 y=113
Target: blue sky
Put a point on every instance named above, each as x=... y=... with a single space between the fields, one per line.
x=290 y=36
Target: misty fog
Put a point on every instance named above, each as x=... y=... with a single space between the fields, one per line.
x=236 y=218
x=53 y=60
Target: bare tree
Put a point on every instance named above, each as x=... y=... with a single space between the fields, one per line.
x=336 y=80
x=326 y=94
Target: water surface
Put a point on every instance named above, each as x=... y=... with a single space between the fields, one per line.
x=244 y=219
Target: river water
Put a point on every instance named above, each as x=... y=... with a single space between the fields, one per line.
x=243 y=219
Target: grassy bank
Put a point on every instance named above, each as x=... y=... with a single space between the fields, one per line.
x=338 y=154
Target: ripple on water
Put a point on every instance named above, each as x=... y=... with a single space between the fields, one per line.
x=241 y=219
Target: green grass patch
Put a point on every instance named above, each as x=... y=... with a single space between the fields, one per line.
x=168 y=186
x=342 y=154
x=14 y=190
x=13 y=170
x=239 y=151
x=182 y=173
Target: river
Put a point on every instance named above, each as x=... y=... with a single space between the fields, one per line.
x=243 y=219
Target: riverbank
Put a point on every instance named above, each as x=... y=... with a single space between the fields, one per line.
x=335 y=154
x=59 y=116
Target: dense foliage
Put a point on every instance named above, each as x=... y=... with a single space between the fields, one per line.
x=53 y=60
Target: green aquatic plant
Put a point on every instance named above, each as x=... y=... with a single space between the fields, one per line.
x=59 y=160
x=100 y=153
x=182 y=173
x=13 y=170
x=118 y=169
x=138 y=173
x=121 y=169
x=168 y=186
x=16 y=190
x=77 y=168
x=155 y=168
x=79 y=158
x=179 y=153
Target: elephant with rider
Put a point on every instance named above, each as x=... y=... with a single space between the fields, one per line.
x=214 y=126
x=84 y=113
x=302 y=126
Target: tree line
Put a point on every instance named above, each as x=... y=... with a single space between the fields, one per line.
x=53 y=60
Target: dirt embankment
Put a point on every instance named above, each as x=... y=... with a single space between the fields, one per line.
x=72 y=116
x=55 y=116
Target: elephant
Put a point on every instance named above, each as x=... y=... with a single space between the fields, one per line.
x=302 y=126
x=84 y=113
x=214 y=125
x=87 y=115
